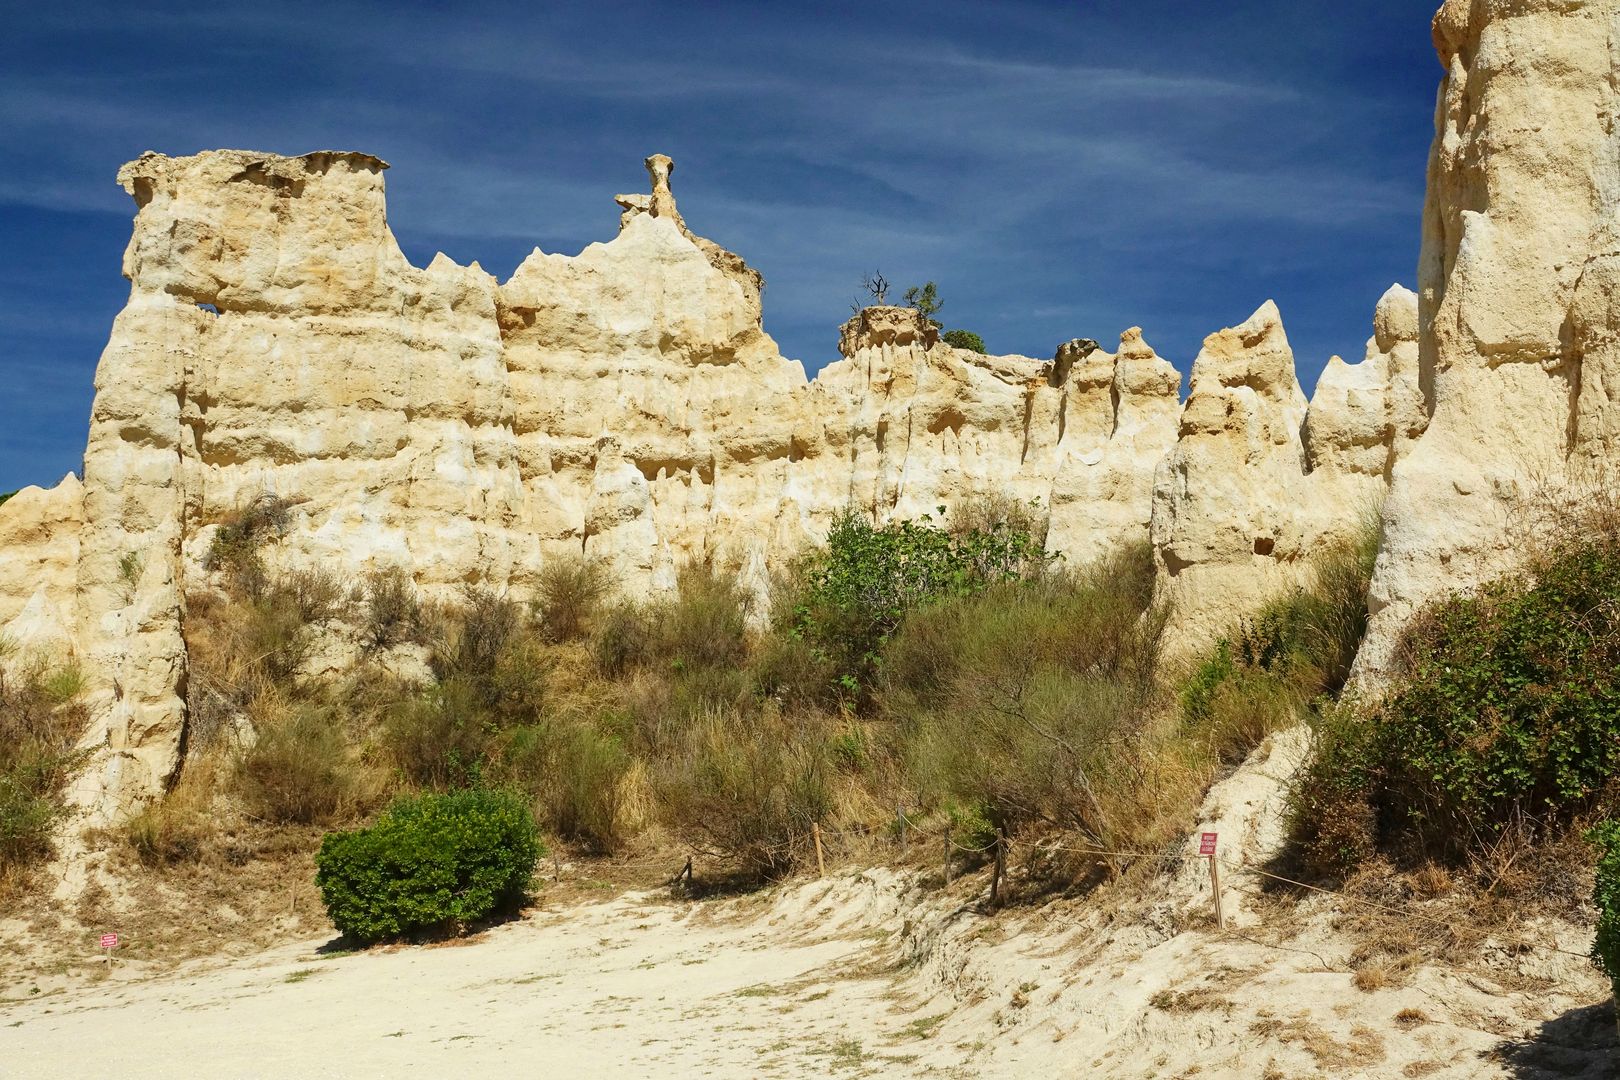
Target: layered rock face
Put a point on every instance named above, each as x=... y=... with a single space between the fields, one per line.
x=1519 y=362
x=624 y=405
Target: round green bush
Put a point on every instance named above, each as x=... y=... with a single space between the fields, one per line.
x=963 y=339
x=431 y=862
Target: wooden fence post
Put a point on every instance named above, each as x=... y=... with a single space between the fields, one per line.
x=947 y=855
x=900 y=809
x=821 y=864
x=1001 y=867
x=1215 y=885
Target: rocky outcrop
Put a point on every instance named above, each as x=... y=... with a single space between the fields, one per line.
x=1259 y=482
x=1519 y=362
x=624 y=404
x=39 y=567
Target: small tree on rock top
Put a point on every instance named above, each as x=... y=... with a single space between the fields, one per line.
x=925 y=298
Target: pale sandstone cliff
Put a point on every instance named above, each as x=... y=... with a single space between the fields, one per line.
x=1259 y=481
x=1519 y=357
x=39 y=566
x=624 y=404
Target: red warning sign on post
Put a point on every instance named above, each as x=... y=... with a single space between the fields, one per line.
x=109 y=941
x=1206 y=843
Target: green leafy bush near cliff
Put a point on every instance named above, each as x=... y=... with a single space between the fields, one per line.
x=5 y=495
x=1506 y=718
x=859 y=588
x=963 y=339
x=1606 y=898
x=430 y=863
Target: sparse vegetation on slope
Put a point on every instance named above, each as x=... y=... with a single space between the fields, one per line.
x=950 y=667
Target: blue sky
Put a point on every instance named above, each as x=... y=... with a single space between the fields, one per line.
x=1060 y=169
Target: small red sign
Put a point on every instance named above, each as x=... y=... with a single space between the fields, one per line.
x=109 y=941
x=1206 y=843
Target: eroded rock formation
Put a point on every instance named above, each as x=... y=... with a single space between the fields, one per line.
x=626 y=404
x=1519 y=362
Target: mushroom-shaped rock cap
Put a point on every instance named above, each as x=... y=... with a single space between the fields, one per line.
x=659 y=167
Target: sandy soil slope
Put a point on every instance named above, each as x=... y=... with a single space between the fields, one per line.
x=872 y=973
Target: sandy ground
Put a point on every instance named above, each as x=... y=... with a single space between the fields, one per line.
x=868 y=973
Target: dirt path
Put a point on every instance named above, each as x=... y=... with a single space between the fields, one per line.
x=633 y=987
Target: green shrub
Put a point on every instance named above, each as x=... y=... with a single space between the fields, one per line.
x=1330 y=808
x=963 y=339
x=393 y=610
x=430 y=863
x=571 y=595
x=861 y=586
x=297 y=771
x=5 y=496
x=1606 y=898
x=1506 y=715
x=971 y=826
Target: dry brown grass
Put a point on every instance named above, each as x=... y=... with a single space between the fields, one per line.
x=1364 y=1047
x=1407 y=1019
x=1197 y=999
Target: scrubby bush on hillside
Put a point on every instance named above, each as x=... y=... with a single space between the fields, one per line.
x=41 y=717
x=5 y=496
x=393 y=611
x=1505 y=718
x=1296 y=650
x=430 y=863
x=236 y=543
x=963 y=339
x=750 y=788
x=296 y=770
x=572 y=592
x=578 y=775
x=1030 y=699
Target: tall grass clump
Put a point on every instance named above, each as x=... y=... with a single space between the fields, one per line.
x=1030 y=700
x=1293 y=652
x=42 y=715
x=297 y=769
x=749 y=787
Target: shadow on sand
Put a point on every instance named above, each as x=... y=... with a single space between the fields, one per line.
x=1580 y=1044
